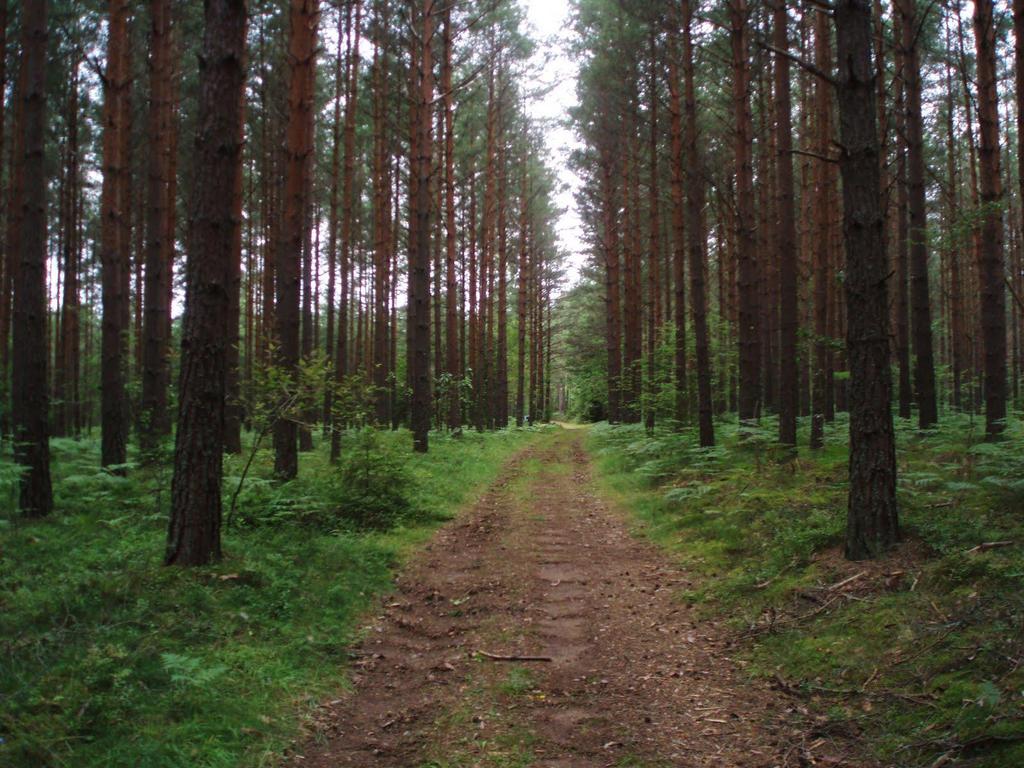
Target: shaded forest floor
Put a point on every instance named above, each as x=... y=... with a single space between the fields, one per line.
x=682 y=607
x=108 y=659
x=536 y=630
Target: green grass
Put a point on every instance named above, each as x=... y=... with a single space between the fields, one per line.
x=924 y=663
x=107 y=658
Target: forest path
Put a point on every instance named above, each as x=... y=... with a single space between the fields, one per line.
x=542 y=567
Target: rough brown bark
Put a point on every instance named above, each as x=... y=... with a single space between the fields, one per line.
x=419 y=252
x=234 y=410
x=902 y=271
x=384 y=245
x=7 y=218
x=500 y=386
x=344 y=32
x=920 y=301
x=155 y=421
x=786 y=243
x=30 y=400
x=678 y=232
x=613 y=316
x=521 y=293
x=992 y=294
x=695 y=243
x=66 y=359
x=452 y=367
x=822 y=234
x=653 y=280
x=749 y=401
x=114 y=243
x=304 y=17
x=956 y=299
x=341 y=350
x=193 y=536
x=872 y=524
x=632 y=309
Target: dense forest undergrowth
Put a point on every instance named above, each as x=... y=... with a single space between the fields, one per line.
x=919 y=651
x=109 y=659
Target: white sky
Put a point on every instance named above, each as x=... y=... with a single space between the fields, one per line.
x=549 y=19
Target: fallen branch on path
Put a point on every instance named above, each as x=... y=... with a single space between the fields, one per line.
x=500 y=657
x=987 y=545
x=845 y=582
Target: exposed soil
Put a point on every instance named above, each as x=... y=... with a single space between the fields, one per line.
x=542 y=567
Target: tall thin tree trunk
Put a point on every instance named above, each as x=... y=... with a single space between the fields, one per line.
x=452 y=367
x=347 y=221
x=785 y=197
x=67 y=342
x=155 y=420
x=234 y=411
x=749 y=306
x=30 y=400
x=653 y=256
x=695 y=238
x=501 y=363
x=341 y=63
x=304 y=18
x=419 y=252
x=823 y=234
x=992 y=294
x=7 y=218
x=611 y=248
x=522 y=287
x=920 y=302
x=678 y=232
x=114 y=243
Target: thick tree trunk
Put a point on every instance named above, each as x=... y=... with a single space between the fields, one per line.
x=992 y=294
x=193 y=537
x=30 y=401
x=872 y=524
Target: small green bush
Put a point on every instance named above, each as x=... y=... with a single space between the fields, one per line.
x=375 y=489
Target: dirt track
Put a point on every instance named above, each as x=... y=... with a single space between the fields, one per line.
x=542 y=567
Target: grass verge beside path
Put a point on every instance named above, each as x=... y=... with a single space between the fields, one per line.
x=921 y=653
x=109 y=659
